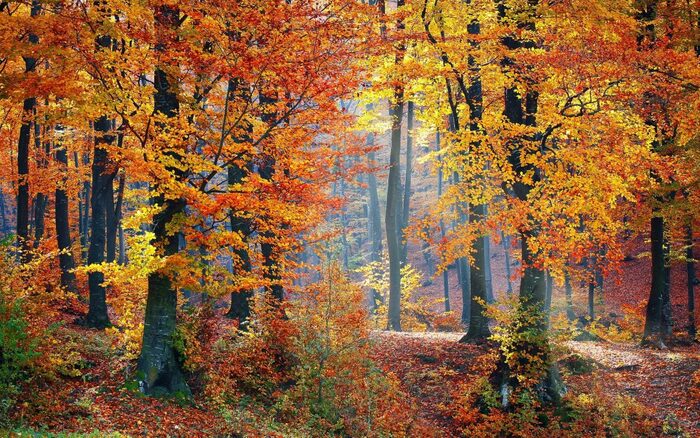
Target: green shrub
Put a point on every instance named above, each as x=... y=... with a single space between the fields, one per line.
x=17 y=353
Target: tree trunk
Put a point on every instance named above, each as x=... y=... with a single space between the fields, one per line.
x=267 y=247
x=393 y=223
x=490 y=298
x=570 y=315
x=445 y=272
x=667 y=319
x=41 y=200
x=158 y=365
x=114 y=222
x=506 y=250
x=549 y=285
x=478 y=322
x=240 y=305
x=82 y=210
x=374 y=219
x=463 y=268
x=393 y=227
x=690 y=268
x=111 y=222
x=532 y=284
x=407 y=184
x=65 y=245
x=654 y=324
x=122 y=246
x=97 y=314
x=28 y=109
x=479 y=273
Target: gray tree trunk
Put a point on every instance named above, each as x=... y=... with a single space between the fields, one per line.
x=158 y=365
x=393 y=227
x=65 y=245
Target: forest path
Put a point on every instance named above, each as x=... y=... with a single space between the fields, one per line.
x=660 y=380
x=432 y=367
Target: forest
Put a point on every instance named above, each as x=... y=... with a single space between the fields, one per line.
x=353 y=218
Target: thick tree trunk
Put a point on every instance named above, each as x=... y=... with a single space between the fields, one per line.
x=392 y=218
x=240 y=304
x=65 y=245
x=23 y=174
x=275 y=288
x=654 y=326
x=463 y=267
x=479 y=275
x=533 y=312
x=267 y=170
x=478 y=322
x=158 y=365
x=97 y=314
x=28 y=108
x=393 y=227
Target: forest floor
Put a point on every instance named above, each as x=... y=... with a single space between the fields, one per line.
x=432 y=367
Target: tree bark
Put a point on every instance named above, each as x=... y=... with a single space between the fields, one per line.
x=158 y=365
x=393 y=199
x=97 y=316
x=28 y=108
x=110 y=222
x=240 y=304
x=479 y=275
x=654 y=326
x=506 y=250
x=568 y=290
x=490 y=298
x=532 y=299
x=65 y=245
x=445 y=272
x=478 y=322
x=41 y=200
x=392 y=224
x=374 y=220
x=407 y=184
x=114 y=222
